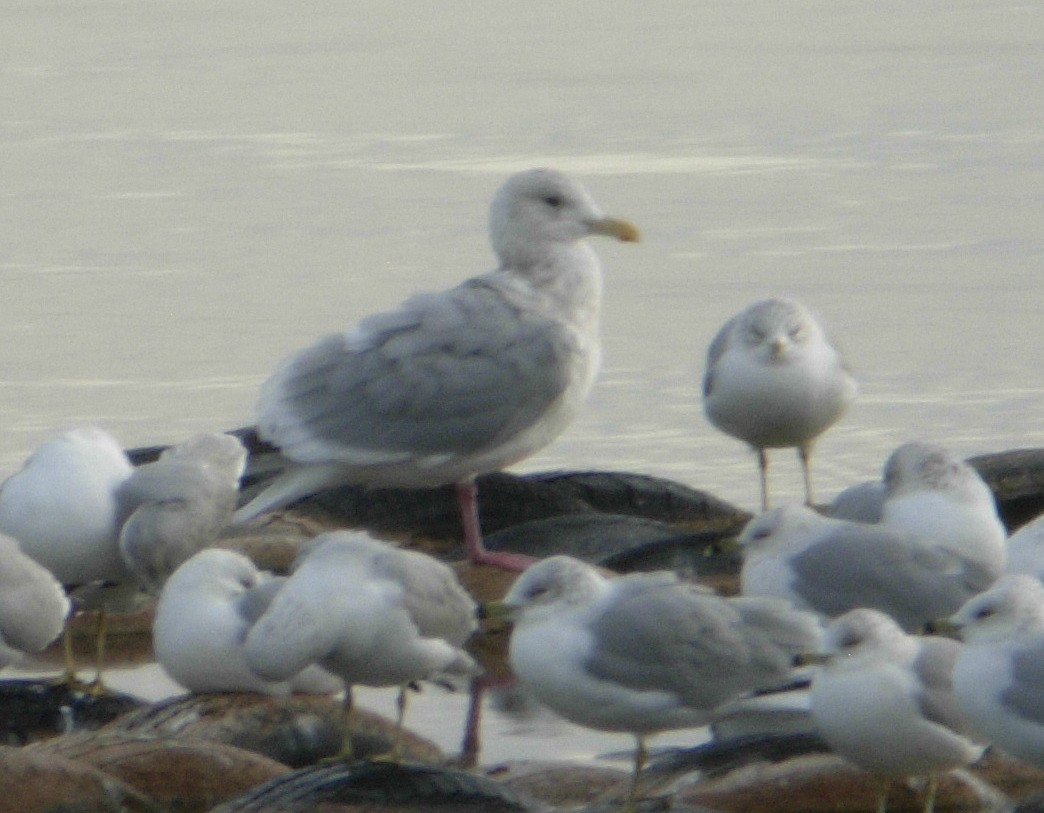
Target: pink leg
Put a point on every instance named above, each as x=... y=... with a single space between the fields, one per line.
x=467 y=500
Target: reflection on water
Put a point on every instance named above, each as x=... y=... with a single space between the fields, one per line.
x=191 y=192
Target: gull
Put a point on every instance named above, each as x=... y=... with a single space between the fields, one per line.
x=933 y=494
x=646 y=652
x=885 y=701
x=33 y=605
x=832 y=566
x=204 y=613
x=1026 y=549
x=999 y=677
x=458 y=383
x=182 y=502
x=369 y=613
x=63 y=509
x=775 y=380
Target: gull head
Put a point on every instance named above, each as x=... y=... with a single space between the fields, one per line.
x=539 y=209
x=223 y=454
x=920 y=466
x=554 y=582
x=777 y=525
x=777 y=330
x=1014 y=605
x=863 y=636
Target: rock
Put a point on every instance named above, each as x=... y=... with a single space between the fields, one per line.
x=35 y=782
x=33 y=709
x=1017 y=480
x=297 y=730
x=183 y=774
x=381 y=786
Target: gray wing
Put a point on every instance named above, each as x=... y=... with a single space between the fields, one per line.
x=449 y=373
x=716 y=350
x=436 y=602
x=1025 y=696
x=934 y=670
x=662 y=635
x=252 y=603
x=865 y=566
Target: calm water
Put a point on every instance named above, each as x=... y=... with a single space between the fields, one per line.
x=189 y=193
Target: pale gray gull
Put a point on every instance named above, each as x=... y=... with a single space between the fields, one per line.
x=33 y=605
x=203 y=616
x=646 y=652
x=933 y=494
x=182 y=502
x=370 y=613
x=457 y=383
x=885 y=701
x=832 y=566
x=1026 y=549
x=999 y=676
x=774 y=380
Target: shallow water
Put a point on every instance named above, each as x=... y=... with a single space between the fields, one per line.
x=190 y=192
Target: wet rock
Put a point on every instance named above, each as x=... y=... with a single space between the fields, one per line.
x=823 y=783
x=298 y=730
x=1017 y=480
x=560 y=784
x=35 y=782
x=33 y=709
x=183 y=774
x=381 y=786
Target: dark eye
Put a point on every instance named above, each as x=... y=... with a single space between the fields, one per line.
x=554 y=201
x=983 y=613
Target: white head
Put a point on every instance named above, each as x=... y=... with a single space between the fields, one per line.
x=538 y=210
x=777 y=525
x=865 y=636
x=920 y=466
x=215 y=572
x=556 y=580
x=1013 y=606
x=776 y=330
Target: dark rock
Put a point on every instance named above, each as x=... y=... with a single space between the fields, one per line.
x=1017 y=480
x=32 y=709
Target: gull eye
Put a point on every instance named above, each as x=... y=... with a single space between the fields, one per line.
x=983 y=613
x=554 y=201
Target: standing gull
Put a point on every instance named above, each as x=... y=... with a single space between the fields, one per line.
x=775 y=380
x=832 y=566
x=369 y=613
x=646 y=652
x=885 y=701
x=181 y=504
x=33 y=605
x=999 y=676
x=203 y=615
x=933 y=494
x=458 y=383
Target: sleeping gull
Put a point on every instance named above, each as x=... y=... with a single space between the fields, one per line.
x=182 y=502
x=369 y=613
x=933 y=494
x=62 y=507
x=775 y=380
x=884 y=700
x=831 y=566
x=646 y=652
x=458 y=383
x=203 y=615
x=999 y=678
x=33 y=605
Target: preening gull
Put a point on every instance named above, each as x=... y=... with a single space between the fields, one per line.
x=775 y=380
x=33 y=605
x=203 y=615
x=63 y=509
x=181 y=503
x=999 y=678
x=62 y=506
x=933 y=494
x=458 y=383
x=832 y=566
x=885 y=701
x=369 y=613
x=645 y=652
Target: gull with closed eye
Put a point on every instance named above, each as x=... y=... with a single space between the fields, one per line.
x=458 y=383
x=775 y=380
